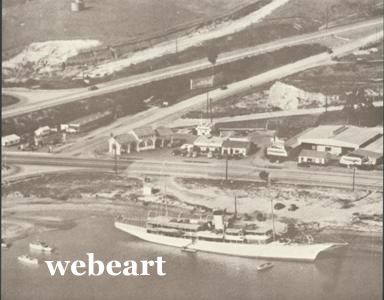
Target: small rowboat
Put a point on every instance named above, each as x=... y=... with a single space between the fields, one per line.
x=265 y=266
x=40 y=246
x=4 y=244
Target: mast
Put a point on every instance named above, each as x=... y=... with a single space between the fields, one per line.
x=273 y=221
x=164 y=193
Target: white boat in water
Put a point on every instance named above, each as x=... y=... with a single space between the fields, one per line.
x=40 y=246
x=28 y=259
x=216 y=237
x=4 y=245
x=265 y=266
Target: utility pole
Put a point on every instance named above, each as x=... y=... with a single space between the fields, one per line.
x=273 y=220
x=235 y=207
x=354 y=179
x=226 y=167
x=207 y=104
x=326 y=16
x=176 y=46
x=210 y=110
x=115 y=150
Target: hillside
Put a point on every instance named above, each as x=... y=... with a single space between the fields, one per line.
x=110 y=21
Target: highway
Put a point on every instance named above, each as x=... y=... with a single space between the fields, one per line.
x=206 y=169
x=137 y=80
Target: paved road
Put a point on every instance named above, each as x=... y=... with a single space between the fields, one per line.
x=204 y=169
x=137 y=80
x=266 y=115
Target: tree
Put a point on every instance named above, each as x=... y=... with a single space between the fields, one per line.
x=212 y=55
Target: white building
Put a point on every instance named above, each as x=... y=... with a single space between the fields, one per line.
x=313 y=157
x=277 y=148
x=209 y=144
x=10 y=140
x=42 y=131
x=336 y=139
x=204 y=128
x=146 y=138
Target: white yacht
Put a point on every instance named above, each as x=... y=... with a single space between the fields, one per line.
x=246 y=240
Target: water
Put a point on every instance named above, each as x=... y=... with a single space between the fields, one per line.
x=352 y=275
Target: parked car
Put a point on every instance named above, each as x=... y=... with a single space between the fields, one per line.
x=237 y=156
x=293 y=207
x=176 y=152
x=176 y=143
x=93 y=88
x=218 y=156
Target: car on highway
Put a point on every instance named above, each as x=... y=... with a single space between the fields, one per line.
x=93 y=88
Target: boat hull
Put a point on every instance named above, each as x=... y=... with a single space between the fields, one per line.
x=40 y=248
x=274 y=250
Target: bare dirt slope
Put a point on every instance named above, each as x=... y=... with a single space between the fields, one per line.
x=25 y=21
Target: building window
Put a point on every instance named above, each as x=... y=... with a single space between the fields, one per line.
x=328 y=149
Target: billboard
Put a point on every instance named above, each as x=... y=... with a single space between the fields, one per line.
x=202 y=82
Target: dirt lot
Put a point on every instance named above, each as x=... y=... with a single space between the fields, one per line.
x=329 y=207
x=57 y=200
x=351 y=72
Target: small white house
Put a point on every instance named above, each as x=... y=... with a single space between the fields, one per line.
x=307 y=156
x=10 y=140
x=42 y=131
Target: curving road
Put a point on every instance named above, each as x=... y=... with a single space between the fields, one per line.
x=137 y=80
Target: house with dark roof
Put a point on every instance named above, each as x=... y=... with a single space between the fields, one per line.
x=307 y=156
x=124 y=143
x=145 y=137
x=232 y=147
x=164 y=135
x=362 y=157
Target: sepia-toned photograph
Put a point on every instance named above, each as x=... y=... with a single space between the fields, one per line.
x=192 y=150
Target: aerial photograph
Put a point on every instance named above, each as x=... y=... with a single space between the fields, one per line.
x=192 y=149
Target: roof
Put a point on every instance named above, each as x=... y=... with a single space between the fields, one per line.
x=342 y=136
x=376 y=146
x=43 y=128
x=365 y=153
x=313 y=153
x=204 y=141
x=235 y=144
x=125 y=138
x=90 y=118
x=143 y=131
x=164 y=131
x=166 y=222
x=10 y=137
